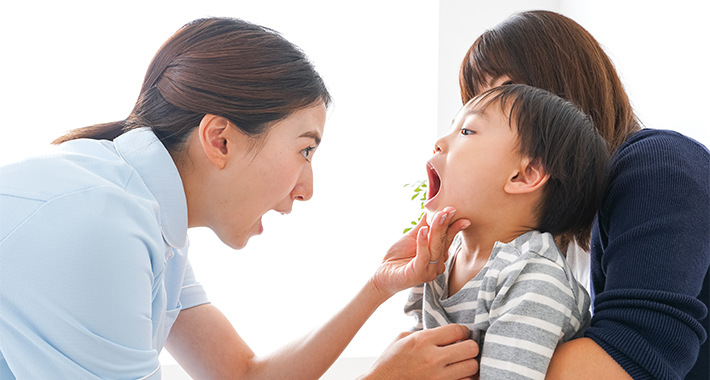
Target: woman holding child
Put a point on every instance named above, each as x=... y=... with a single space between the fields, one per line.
x=650 y=244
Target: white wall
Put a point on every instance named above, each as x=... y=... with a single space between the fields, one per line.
x=662 y=52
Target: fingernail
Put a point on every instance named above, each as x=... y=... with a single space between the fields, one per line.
x=424 y=231
x=465 y=225
x=443 y=218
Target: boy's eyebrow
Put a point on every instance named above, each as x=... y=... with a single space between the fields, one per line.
x=471 y=111
x=312 y=135
x=475 y=111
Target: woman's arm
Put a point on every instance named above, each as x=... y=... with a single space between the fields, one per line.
x=202 y=336
x=203 y=341
x=650 y=254
x=582 y=359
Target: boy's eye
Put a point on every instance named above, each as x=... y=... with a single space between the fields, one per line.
x=307 y=152
x=467 y=132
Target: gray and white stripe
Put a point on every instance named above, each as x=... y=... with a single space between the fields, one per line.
x=522 y=304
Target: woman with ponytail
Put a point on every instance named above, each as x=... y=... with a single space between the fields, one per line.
x=94 y=274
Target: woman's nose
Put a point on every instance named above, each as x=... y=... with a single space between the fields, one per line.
x=303 y=190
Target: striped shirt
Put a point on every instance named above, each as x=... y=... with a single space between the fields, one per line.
x=522 y=304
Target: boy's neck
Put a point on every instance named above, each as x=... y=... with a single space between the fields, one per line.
x=478 y=243
x=476 y=248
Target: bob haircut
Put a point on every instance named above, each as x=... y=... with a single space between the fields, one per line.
x=550 y=51
x=561 y=138
x=244 y=72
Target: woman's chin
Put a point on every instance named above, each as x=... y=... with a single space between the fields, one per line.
x=239 y=241
x=235 y=241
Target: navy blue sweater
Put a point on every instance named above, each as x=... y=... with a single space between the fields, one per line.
x=650 y=256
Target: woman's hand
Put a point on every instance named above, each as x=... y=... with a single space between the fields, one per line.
x=444 y=353
x=419 y=256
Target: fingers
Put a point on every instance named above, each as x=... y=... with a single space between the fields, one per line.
x=438 y=236
x=454 y=229
x=448 y=334
x=433 y=242
x=460 y=352
x=423 y=260
x=466 y=369
x=455 y=351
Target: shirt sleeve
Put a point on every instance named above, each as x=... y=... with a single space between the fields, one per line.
x=537 y=306
x=192 y=293
x=76 y=281
x=651 y=251
x=414 y=306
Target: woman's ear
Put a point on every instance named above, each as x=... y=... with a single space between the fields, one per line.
x=214 y=137
x=529 y=177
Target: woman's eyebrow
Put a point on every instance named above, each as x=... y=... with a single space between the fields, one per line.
x=313 y=135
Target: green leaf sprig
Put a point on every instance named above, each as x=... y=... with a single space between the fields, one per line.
x=420 y=194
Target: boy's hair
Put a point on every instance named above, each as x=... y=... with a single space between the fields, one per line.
x=564 y=141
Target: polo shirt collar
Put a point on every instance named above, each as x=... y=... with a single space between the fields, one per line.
x=141 y=149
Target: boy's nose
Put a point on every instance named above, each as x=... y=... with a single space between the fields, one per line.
x=438 y=146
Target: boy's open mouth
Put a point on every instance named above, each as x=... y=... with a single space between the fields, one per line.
x=434 y=181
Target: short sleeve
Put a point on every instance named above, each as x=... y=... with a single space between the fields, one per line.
x=534 y=309
x=414 y=305
x=192 y=293
x=76 y=282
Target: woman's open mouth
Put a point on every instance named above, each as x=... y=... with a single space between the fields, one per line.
x=434 y=182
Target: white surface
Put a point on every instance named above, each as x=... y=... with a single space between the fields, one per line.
x=343 y=369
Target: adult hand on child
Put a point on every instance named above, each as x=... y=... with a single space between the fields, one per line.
x=420 y=255
x=444 y=353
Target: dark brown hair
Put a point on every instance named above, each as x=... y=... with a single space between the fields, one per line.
x=244 y=72
x=550 y=51
x=561 y=138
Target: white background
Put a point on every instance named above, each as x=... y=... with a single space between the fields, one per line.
x=392 y=68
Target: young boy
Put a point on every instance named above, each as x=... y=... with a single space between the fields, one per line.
x=523 y=166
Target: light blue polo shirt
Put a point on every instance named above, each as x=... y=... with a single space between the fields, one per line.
x=93 y=260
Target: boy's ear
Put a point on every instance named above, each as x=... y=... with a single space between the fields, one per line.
x=214 y=135
x=529 y=177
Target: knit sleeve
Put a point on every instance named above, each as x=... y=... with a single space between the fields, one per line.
x=650 y=255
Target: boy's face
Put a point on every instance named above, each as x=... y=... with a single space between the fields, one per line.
x=472 y=163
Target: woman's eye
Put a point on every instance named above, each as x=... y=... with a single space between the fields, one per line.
x=307 y=152
x=467 y=132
